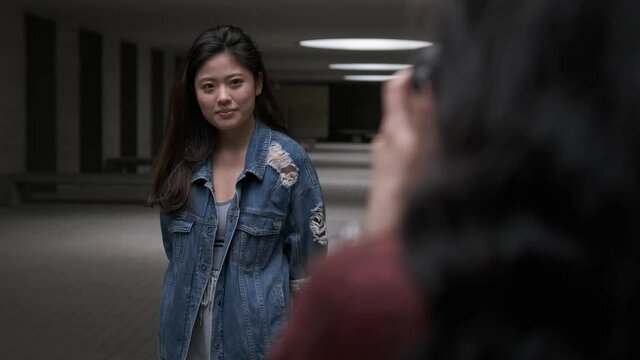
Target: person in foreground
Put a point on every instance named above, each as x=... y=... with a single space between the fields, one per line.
x=519 y=238
x=242 y=208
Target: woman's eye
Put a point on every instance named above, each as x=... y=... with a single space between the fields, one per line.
x=207 y=87
x=236 y=82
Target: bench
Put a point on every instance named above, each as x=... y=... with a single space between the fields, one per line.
x=20 y=188
x=308 y=144
x=126 y=164
x=356 y=135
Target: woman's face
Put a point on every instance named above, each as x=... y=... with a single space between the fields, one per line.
x=226 y=92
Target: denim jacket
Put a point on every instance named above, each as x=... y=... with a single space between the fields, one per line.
x=276 y=225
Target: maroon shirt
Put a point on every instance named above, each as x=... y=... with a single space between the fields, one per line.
x=361 y=303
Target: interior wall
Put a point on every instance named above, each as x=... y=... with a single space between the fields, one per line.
x=12 y=87
x=60 y=123
x=68 y=105
x=355 y=111
x=111 y=96
x=143 y=132
x=306 y=110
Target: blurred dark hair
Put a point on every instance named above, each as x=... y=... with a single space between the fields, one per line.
x=189 y=138
x=526 y=236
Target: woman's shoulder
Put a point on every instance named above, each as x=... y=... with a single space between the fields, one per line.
x=359 y=278
x=288 y=144
x=370 y=265
x=363 y=275
x=360 y=299
x=287 y=153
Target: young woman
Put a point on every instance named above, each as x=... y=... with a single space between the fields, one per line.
x=242 y=206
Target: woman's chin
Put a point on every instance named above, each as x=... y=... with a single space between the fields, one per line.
x=229 y=124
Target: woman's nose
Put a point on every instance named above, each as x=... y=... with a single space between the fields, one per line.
x=223 y=95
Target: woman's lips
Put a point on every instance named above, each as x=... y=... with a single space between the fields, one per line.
x=226 y=112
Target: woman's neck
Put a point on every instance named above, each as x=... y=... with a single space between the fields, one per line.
x=236 y=139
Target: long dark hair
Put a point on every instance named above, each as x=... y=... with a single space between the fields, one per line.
x=189 y=138
x=527 y=238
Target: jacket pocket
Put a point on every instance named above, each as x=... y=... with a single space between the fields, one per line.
x=254 y=240
x=180 y=230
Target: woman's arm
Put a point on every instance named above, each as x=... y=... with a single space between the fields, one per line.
x=308 y=236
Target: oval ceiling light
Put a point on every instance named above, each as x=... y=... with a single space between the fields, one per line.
x=369 y=77
x=370 y=67
x=365 y=44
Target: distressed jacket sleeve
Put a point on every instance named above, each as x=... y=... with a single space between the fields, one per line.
x=308 y=237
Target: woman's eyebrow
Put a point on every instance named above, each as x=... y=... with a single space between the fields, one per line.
x=205 y=78
x=235 y=75
x=211 y=78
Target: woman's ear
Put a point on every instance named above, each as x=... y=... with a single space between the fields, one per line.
x=259 y=84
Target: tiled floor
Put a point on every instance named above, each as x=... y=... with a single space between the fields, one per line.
x=79 y=281
x=82 y=280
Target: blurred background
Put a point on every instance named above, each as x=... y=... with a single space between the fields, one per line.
x=85 y=86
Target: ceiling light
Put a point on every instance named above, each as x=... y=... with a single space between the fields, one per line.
x=365 y=44
x=371 y=67
x=369 y=77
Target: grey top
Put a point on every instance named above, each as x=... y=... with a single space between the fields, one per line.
x=222 y=210
x=200 y=346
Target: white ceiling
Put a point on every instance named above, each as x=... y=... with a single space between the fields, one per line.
x=275 y=25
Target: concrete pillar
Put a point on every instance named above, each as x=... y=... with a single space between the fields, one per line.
x=110 y=96
x=68 y=65
x=169 y=79
x=13 y=122
x=144 y=102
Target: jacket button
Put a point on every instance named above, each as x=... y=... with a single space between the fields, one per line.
x=217 y=345
x=203 y=267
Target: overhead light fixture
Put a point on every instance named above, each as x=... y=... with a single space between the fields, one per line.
x=377 y=78
x=365 y=44
x=370 y=67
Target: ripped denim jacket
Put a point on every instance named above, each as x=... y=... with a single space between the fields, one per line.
x=276 y=226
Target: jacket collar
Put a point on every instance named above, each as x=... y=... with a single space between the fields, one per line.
x=255 y=161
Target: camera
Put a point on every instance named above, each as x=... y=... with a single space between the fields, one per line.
x=425 y=64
